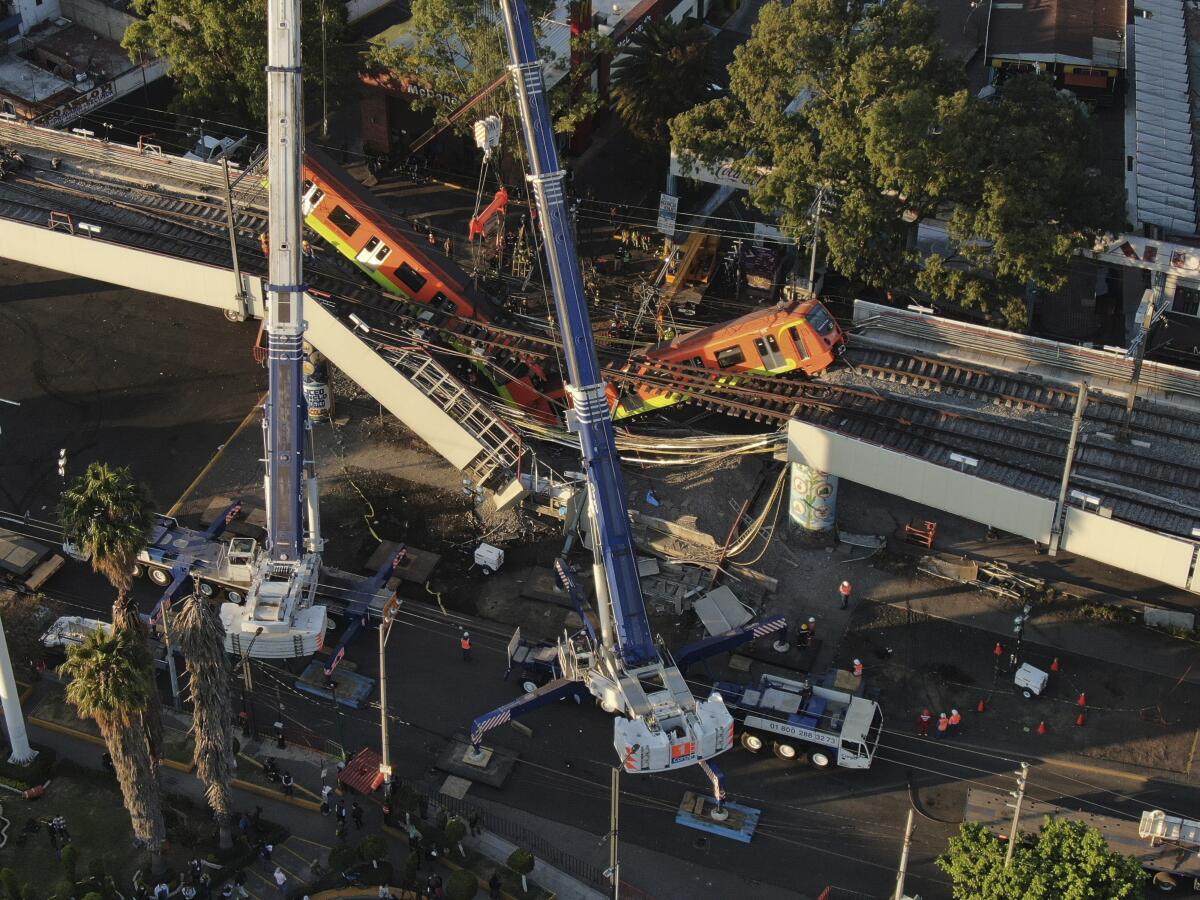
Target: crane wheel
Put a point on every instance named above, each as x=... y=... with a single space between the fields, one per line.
x=784 y=751
x=1164 y=883
x=819 y=759
x=161 y=577
x=528 y=685
x=234 y=596
x=138 y=570
x=208 y=590
x=752 y=742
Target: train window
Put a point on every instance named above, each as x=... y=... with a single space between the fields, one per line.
x=412 y=279
x=311 y=198
x=696 y=361
x=772 y=344
x=345 y=222
x=798 y=341
x=730 y=357
x=820 y=319
x=444 y=303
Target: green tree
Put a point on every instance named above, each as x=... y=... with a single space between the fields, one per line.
x=1068 y=860
x=106 y=514
x=856 y=99
x=216 y=51
x=666 y=69
x=202 y=641
x=463 y=885
x=521 y=861
x=109 y=685
x=456 y=830
x=456 y=48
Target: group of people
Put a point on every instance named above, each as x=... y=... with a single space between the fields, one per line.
x=947 y=725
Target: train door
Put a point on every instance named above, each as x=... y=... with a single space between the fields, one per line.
x=773 y=359
x=311 y=198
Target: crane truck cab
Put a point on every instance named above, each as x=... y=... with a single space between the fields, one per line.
x=794 y=718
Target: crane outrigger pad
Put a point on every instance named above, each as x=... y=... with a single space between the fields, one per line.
x=696 y=812
x=349 y=688
x=493 y=772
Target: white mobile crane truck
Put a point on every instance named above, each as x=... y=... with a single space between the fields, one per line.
x=799 y=718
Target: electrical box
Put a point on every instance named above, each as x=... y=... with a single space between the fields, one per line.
x=489 y=558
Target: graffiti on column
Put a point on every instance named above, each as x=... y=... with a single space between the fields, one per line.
x=813 y=505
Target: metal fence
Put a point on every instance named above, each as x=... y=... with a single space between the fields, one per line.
x=541 y=847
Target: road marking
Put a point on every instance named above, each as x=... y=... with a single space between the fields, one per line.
x=296 y=837
x=216 y=456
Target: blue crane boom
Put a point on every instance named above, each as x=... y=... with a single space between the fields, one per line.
x=606 y=486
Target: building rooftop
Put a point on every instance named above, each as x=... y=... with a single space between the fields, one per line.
x=1065 y=31
x=1162 y=187
x=74 y=50
x=23 y=79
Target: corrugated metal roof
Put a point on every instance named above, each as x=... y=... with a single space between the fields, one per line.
x=1164 y=172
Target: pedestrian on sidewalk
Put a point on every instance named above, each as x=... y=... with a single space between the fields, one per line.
x=844 y=590
x=281 y=881
x=356 y=813
x=923 y=721
x=265 y=849
x=288 y=784
x=943 y=726
x=326 y=790
x=465 y=643
x=194 y=869
x=473 y=824
x=187 y=892
x=324 y=807
x=162 y=891
x=955 y=722
x=494 y=885
x=340 y=811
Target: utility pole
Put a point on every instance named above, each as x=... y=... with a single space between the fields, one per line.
x=239 y=285
x=1019 y=794
x=385 y=631
x=324 y=81
x=614 y=864
x=816 y=239
x=14 y=719
x=1068 y=463
x=908 y=832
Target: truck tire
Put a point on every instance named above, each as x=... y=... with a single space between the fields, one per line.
x=161 y=577
x=234 y=596
x=784 y=750
x=528 y=685
x=819 y=759
x=138 y=570
x=752 y=742
x=208 y=590
x=1164 y=883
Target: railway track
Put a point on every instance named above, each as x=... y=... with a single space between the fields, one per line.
x=1014 y=426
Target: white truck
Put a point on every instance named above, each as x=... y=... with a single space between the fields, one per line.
x=802 y=720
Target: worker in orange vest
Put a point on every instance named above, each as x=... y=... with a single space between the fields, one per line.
x=265 y=243
x=465 y=643
x=858 y=668
x=923 y=721
x=942 y=726
x=844 y=590
x=955 y=721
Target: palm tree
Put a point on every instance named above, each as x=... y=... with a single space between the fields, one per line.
x=106 y=514
x=667 y=70
x=202 y=642
x=109 y=685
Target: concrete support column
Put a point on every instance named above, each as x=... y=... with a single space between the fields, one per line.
x=14 y=719
x=812 y=503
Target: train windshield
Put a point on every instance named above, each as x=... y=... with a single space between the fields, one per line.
x=820 y=319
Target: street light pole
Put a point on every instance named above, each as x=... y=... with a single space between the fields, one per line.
x=908 y=833
x=1019 y=794
x=614 y=863
x=385 y=631
x=812 y=261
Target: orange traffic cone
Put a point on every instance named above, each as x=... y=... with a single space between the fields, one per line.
x=1054 y=665
x=1080 y=719
x=1042 y=729
x=1082 y=701
x=999 y=650
x=982 y=707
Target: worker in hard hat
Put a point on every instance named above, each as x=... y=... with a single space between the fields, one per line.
x=955 y=722
x=844 y=590
x=465 y=643
x=858 y=668
x=923 y=721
